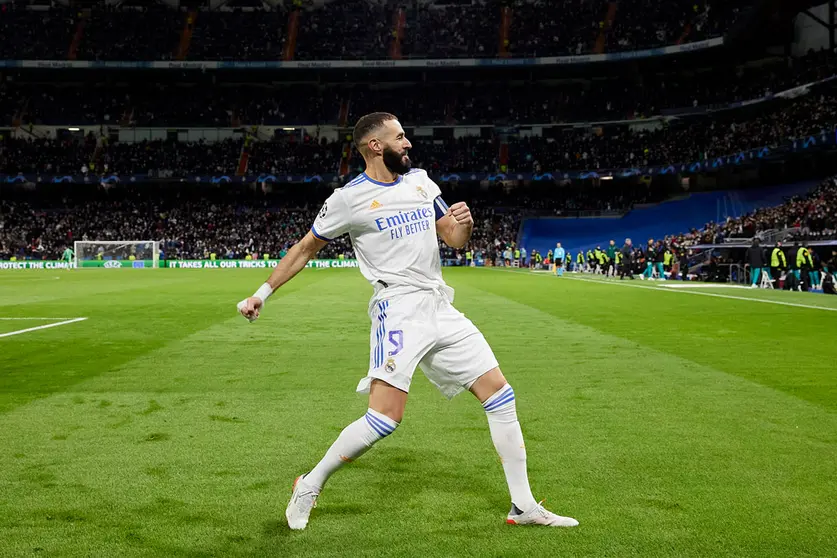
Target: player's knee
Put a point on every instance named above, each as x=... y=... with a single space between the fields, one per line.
x=387 y=400
x=488 y=384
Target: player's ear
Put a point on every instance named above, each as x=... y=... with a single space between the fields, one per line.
x=375 y=145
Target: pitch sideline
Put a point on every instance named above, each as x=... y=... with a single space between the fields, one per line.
x=681 y=291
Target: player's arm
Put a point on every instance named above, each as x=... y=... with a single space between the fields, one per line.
x=293 y=262
x=455 y=225
x=333 y=220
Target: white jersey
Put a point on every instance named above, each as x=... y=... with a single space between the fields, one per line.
x=392 y=227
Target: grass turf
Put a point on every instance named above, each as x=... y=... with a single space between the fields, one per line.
x=669 y=424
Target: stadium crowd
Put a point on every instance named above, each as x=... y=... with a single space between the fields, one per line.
x=254 y=35
x=194 y=221
x=452 y=31
x=365 y=30
x=486 y=102
x=682 y=141
x=127 y=33
x=787 y=229
x=194 y=227
x=814 y=216
x=223 y=223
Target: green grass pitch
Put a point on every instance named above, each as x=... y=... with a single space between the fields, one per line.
x=669 y=423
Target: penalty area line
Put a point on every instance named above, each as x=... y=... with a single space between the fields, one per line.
x=683 y=291
x=56 y=324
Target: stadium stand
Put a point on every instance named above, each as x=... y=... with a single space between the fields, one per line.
x=607 y=147
x=559 y=126
x=192 y=224
x=420 y=30
x=221 y=35
x=365 y=31
x=36 y=34
x=813 y=216
x=538 y=102
x=126 y=33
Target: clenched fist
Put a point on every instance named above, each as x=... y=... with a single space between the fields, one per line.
x=461 y=213
x=249 y=307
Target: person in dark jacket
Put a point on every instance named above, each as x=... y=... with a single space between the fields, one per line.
x=626 y=267
x=831 y=266
x=659 y=259
x=649 y=259
x=683 y=262
x=755 y=259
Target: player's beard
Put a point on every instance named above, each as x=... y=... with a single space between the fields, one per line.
x=396 y=162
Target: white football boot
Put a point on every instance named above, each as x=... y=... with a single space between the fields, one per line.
x=303 y=500
x=538 y=515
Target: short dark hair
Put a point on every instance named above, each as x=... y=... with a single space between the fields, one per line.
x=368 y=123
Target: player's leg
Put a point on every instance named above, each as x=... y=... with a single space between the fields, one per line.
x=386 y=408
x=464 y=360
x=497 y=398
x=396 y=349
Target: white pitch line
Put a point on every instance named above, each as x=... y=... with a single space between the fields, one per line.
x=65 y=322
x=37 y=318
x=684 y=291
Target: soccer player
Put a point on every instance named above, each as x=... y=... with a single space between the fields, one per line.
x=393 y=215
x=67 y=256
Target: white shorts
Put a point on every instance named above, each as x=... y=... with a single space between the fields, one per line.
x=424 y=329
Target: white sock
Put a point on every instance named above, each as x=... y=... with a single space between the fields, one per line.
x=508 y=440
x=353 y=442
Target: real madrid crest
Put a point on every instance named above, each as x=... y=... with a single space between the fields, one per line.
x=421 y=191
x=390 y=365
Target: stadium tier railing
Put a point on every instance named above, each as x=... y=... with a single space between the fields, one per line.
x=348 y=64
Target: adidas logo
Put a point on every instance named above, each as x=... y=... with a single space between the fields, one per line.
x=375 y=205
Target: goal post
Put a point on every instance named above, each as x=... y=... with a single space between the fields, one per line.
x=117 y=253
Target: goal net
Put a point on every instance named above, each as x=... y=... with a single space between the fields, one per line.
x=117 y=253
